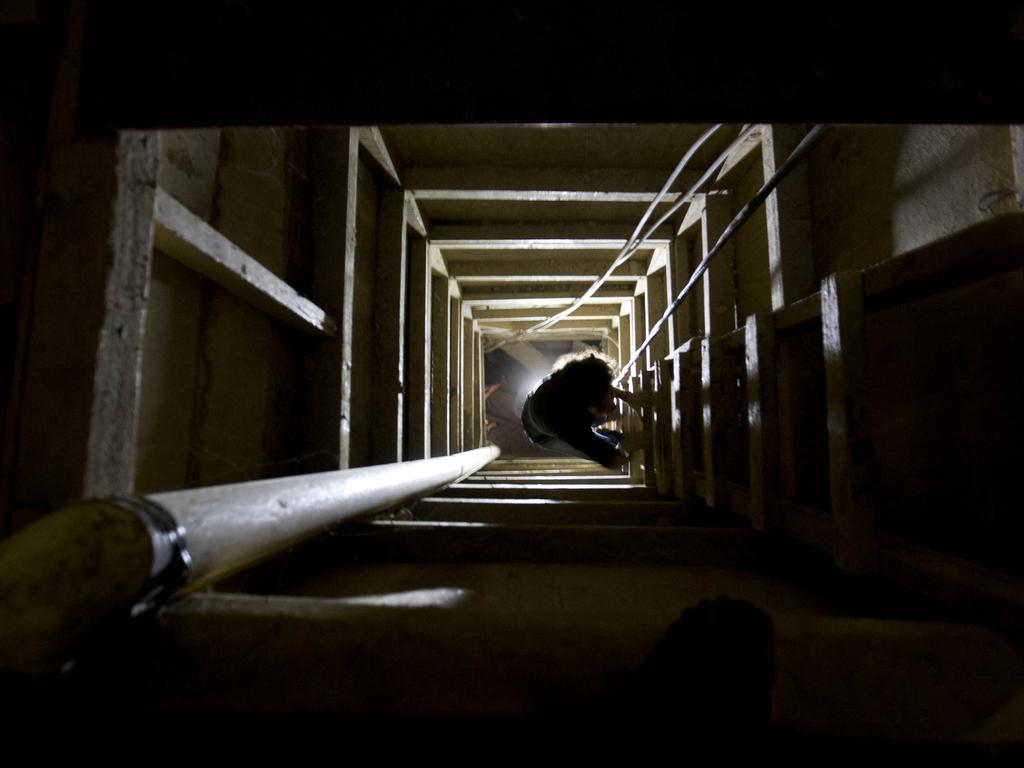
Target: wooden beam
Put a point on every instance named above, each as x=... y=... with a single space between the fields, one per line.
x=849 y=434
x=440 y=370
x=646 y=382
x=542 y=196
x=455 y=356
x=788 y=215
x=481 y=248
x=684 y=416
x=484 y=182
x=720 y=278
x=657 y=303
x=80 y=398
x=805 y=312
x=481 y=405
x=571 y=234
x=663 y=419
x=678 y=269
x=334 y=200
x=532 y=314
x=762 y=422
x=984 y=250
x=413 y=216
x=539 y=295
x=604 y=256
x=640 y=328
x=556 y=335
x=418 y=386
x=603 y=324
x=389 y=322
x=468 y=385
x=191 y=241
x=625 y=339
x=716 y=401
x=372 y=141
x=541 y=270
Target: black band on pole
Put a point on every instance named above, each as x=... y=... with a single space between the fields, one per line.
x=172 y=562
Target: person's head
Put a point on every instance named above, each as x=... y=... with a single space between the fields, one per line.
x=588 y=372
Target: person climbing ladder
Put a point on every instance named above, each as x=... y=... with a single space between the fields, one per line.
x=564 y=413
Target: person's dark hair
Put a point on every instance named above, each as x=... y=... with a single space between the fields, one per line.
x=588 y=372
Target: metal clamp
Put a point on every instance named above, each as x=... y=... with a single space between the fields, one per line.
x=172 y=562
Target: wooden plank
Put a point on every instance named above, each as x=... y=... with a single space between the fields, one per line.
x=80 y=398
x=191 y=241
x=440 y=370
x=716 y=429
x=625 y=340
x=418 y=387
x=640 y=328
x=762 y=422
x=801 y=313
x=503 y=195
x=478 y=393
x=788 y=215
x=455 y=440
x=372 y=141
x=657 y=303
x=468 y=385
x=663 y=419
x=849 y=434
x=527 y=295
x=677 y=272
x=683 y=415
x=981 y=251
x=333 y=211
x=720 y=278
x=476 y=182
x=413 y=216
x=541 y=270
x=572 y=234
x=389 y=320
x=113 y=421
x=536 y=314
x=647 y=416
x=602 y=326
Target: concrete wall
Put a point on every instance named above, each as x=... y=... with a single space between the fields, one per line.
x=878 y=191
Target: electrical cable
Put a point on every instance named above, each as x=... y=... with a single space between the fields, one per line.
x=802 y=149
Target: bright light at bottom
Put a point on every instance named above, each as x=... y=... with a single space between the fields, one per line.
x=441 y=597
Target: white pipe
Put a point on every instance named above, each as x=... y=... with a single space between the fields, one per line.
x=229 y=527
